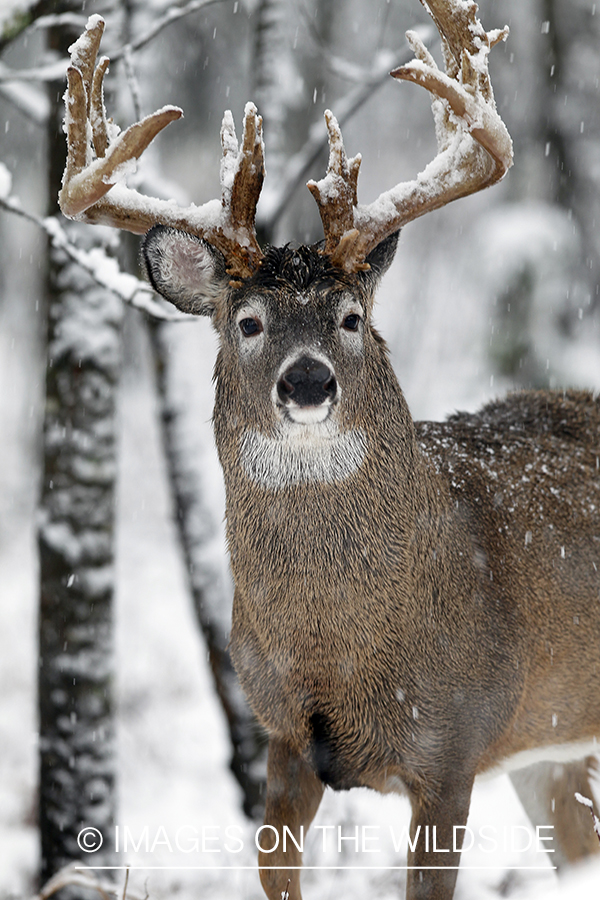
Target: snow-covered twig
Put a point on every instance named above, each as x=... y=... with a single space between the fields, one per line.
x=173 y=14
x=103 y=269
x=383 y=61
x=53 y=71
x=29 y=100
x=132 y=81
x=30 y=17
x=585 y=801
x=57 y=70
x=58 y=20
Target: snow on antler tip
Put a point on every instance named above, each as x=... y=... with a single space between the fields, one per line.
x=230 y=156
x=418 y=47
x=93 y=21
x=169 y=111
x=80 y=49
x=228 y=135
x=252 y=140
x=498 y=34
x=332 y=123
x=337 y=151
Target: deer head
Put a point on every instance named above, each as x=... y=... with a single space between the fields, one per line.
x=295 y=337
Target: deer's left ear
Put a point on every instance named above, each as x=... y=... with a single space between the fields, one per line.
x=380 y=259
x=186 y=270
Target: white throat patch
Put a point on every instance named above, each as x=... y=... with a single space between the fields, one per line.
x=302 y=454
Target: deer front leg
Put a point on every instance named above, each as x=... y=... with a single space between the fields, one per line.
x=293 y=796
x=437 y=830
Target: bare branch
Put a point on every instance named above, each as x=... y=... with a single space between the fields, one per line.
x=132 y=81
x=21 y=20
x=30 y=101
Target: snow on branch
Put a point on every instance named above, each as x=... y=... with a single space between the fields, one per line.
x=172 y=15
x=585 y=801
x=53 y=71
x=57 y=70
x=102 y=268
x=29 y=100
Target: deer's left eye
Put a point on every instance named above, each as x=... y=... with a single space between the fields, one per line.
x=251 y=327
x=351 y=322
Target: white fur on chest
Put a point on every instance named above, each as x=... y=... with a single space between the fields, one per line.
x=302 y=454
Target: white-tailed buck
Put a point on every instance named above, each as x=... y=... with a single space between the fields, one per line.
x=415 y=603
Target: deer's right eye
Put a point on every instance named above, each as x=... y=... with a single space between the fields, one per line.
x=251 y=327
x=351 y=322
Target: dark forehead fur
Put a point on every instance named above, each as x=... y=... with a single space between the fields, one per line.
x=300 y=268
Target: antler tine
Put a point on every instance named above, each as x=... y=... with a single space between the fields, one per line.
x=474 y=147
x=75 y=121
x=228 y=225
x=97 y=110
x=250 y=172
x=85 y=50
x=336 y=194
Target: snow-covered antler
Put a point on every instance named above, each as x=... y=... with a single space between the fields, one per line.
x=90 y=175
x=474 y=147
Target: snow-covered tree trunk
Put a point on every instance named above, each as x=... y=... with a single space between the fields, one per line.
x=76 y=524
x=76 y=565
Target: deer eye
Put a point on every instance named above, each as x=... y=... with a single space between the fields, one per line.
x=251 y=327
x=351 y=322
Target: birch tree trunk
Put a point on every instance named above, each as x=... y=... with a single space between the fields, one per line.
x=77 y=774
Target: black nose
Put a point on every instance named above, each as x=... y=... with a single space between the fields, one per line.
x=308 y=382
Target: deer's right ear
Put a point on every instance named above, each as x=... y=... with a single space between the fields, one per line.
x=186 y=270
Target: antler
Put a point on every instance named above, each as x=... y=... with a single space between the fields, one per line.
x=227 y=224
x=474 y=147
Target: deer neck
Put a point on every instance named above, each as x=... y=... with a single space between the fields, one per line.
x=325 y=531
